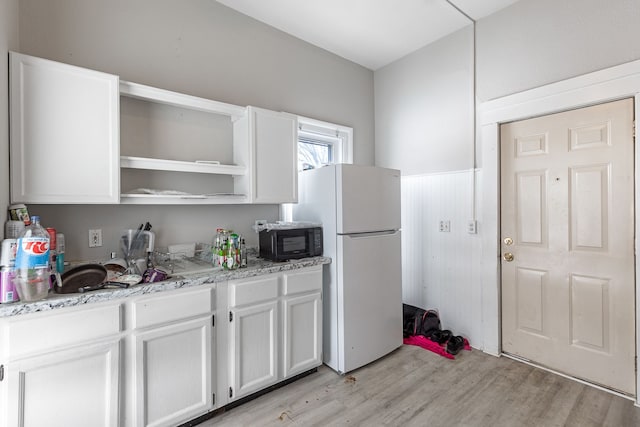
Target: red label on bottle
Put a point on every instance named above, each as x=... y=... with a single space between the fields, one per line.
x=36 y=248
x=33 y=252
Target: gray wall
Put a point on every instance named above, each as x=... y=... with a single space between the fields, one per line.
x=8 y=41
x=424 y=108
x=536 y=42
x=201 y=48
x=422 y=118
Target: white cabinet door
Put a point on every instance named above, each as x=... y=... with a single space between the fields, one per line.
x=272 y=155
x=76 y=387
x=253 y=348
x=173 y=373
x=302 y=341
x=64 y=133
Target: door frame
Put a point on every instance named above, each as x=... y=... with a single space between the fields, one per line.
x=621 y=81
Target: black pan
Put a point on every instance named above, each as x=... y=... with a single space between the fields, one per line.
x=85 y=277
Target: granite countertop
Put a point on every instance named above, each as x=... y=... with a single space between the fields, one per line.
x=179 y=280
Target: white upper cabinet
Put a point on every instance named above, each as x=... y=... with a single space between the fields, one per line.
x=273 y=153
x=81 y=136
x=64 y=124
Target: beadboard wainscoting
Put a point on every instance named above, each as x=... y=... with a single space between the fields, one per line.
x=441 y=269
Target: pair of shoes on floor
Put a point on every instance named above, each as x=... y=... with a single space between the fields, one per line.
x=455 y=344
x=440 y=336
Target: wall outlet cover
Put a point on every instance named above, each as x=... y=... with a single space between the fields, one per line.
x=95 y=238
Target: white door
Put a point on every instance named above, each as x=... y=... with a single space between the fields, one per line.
x=369 y=298
x=173 y=373
x=567 y=243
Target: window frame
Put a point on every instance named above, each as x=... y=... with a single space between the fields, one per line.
x=342 y=150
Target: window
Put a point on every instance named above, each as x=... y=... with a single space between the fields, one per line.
x=319 y=144
x=322 y=143
x=313 y=151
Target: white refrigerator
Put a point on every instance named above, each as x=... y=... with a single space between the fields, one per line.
x=359 y=208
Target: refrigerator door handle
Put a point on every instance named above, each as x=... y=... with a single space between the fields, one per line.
x=372 y=234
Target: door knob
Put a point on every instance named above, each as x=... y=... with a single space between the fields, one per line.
x=507 y=256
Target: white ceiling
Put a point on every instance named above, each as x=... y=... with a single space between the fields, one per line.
x=372 y=33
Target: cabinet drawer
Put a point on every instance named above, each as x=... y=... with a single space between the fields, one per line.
x=250 y=291
x=42 y=332
x=307 y=280
x=171 y=306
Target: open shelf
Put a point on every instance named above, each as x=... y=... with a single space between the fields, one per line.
x=173 y=199
x=135 y=90
x=180 y=166
x=177 y=148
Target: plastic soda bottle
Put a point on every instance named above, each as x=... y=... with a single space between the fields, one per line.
x=32 y=262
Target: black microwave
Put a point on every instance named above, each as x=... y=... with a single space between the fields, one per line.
x=282 y=244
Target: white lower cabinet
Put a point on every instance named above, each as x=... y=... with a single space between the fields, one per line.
x=302 y=320
x=61 y=368
x=76 y=387
x=160 y=359
x=276 y=328
x=254 y=352
x=170 y=357
x=173 y=373
x=302 y=338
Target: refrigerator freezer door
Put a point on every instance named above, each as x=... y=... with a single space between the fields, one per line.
x=368 y=199
x=370 y=307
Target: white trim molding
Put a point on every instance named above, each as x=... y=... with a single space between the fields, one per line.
x=622 y=81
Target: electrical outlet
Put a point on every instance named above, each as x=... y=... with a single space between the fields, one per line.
x=95 y=238
x=445 y=226
x=472 y=226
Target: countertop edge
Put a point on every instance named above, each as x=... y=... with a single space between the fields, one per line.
x=179 y=281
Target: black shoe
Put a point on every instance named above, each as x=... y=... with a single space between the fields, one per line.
x=455 y=344
x=439 y=336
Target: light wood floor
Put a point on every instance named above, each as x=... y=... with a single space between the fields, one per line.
x=414 y=387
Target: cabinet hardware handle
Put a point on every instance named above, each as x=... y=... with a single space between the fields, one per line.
x=230 y=316
x=214 y=398
x=213 y=320
x=1 y=372
x=230 y=392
